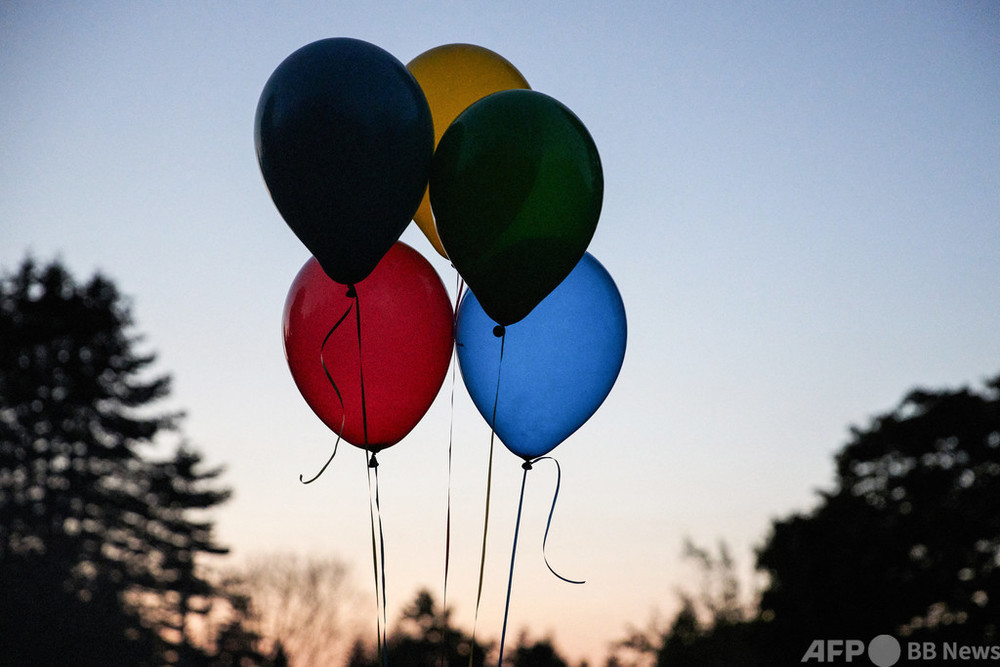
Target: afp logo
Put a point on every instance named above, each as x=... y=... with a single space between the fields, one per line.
x=882 y=651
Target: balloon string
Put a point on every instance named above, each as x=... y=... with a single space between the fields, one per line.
x=548 y=524
x=382 y=622
x=336 y=390
x=513 y=553
x=489 y=484
x=378 y=564
x=459 y=285
x=353 y=292
x=381 y=541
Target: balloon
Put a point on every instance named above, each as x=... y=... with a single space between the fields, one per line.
x=344 y=140
x=406 y=342
x=453 y=76
x=516 y=187
x=559 y=363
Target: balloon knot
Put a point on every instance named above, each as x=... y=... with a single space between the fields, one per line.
x=373 y=462
x=526 y=465
x=351 y=292
x=499 y=331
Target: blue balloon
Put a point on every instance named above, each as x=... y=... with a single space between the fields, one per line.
x=559 y=362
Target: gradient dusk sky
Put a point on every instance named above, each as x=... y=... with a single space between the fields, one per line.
x=801 y=210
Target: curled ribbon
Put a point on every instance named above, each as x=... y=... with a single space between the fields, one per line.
x=548 y=524
x=336 y=390
x=528 y=465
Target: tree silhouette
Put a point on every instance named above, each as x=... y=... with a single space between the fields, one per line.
x=99 y=545
x=424 y=637
x=714 y=627
x=537 y=653
x=907 y=543
x=301 y=605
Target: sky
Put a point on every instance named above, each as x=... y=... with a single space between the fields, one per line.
x=801 y=211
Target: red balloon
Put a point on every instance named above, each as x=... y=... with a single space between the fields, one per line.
x=405 y=330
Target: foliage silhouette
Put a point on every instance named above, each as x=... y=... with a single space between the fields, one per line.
x=99 y=545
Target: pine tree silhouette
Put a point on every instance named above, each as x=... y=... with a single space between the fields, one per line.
x=98 y=542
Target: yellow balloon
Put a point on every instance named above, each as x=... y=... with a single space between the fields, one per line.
x=453 y=76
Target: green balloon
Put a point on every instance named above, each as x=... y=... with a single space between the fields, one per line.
x=516 y=189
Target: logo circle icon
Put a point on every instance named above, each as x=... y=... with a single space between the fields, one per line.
x=884 y=651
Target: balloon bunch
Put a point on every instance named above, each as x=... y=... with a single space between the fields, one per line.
x=515 y=194
x=504 y=181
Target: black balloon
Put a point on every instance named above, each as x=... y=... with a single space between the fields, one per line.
x=344 y=140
